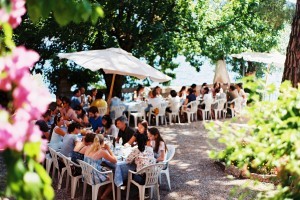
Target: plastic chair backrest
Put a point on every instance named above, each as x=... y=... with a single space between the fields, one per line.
x=152 y=172
x=102 y=111
x=193 y=105
x=54 y=157
x=175 y=106
x=118 y=110
x=162 y=108
x=208 y=103
x=170 y=152
x=87 y=172
x=68 y=162
x=141 y=107
x=221 y=104
x=237 y=103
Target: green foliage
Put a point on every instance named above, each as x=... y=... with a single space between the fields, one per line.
x=26 y=178
x=269 y=142
x=64 y=11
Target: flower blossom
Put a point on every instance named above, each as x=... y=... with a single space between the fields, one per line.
x=30 y=100
x=14 y=16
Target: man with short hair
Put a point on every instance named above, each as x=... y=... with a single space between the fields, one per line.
x=125 y=132
x=70 y=139
x=95 y=119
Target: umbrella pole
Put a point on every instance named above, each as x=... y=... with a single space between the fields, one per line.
x=110 y=92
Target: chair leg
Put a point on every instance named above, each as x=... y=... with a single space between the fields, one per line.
x=67 y=183
x=61 y=177
x=203 y=115
x=84 y=189
x=135 y=121
x=189 y=116
x=48 y=164
x=142 y=192
x=178 y=118
x=157 y=191
x=156 y=120
x=151 y=192
x=94 y=192
x=168 y=178
x=73 y=186
x=113 y=190
x=128 y=190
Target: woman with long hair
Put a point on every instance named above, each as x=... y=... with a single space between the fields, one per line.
x=57 y=132
x=94 y=155
x=158 y=144
x=182 y=92
x=142 y=155
x=82 y=117
x=142 y=129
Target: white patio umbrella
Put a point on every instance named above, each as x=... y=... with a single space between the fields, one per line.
x=276 y=59
x=115 y=61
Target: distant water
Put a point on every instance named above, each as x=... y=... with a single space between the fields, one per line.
x=187 y=75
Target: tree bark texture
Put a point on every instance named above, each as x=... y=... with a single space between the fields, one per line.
x=292 y=62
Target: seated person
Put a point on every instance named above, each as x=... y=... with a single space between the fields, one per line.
x=108 y=127
x=81 y=147
x=142 y=156
x=67 y=112
x=139 y=93
x=241 y=93
x=58 y=133
x=92 y=96
x=206 y=97
x=173 y=101
x=95 y=120
x=70 y=139
x=190 y=97
x=81 y=116
x=182 y=93
x=125 y=132
x=42 y=123
x=99 y=102
x=142 y=129
x=154 y=101
x=158 y=144
x=94 y=155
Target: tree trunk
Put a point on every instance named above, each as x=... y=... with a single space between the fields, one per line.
x=292 y=62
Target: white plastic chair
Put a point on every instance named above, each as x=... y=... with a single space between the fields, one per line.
x=87 y=172
x=74 y=179
x=102 y=111
x=48 y=161
x=161 y=113
x=151 y=173
x=118 y=110
x=206 y=113
x=56 y=166
x=175 y=112
x=140 y=112
x=165 y=170
x=237 y=108
x=220 y=106
x=190 y=112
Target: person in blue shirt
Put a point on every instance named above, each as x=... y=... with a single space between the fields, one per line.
x=74 y=100
x=95 y=120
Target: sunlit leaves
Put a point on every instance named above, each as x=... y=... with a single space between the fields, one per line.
x=270 y=141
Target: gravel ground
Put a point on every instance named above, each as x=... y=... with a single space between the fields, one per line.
x=193 y=174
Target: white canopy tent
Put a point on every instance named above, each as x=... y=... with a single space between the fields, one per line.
x=275 y=59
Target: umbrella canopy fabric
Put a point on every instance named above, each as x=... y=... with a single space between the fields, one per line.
x=115 y=61
x=276 y=59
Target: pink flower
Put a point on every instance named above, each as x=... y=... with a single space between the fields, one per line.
x=14 y=17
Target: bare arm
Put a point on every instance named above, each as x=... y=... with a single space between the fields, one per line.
x=59 y=131
x=132 y=140
x=162 y=156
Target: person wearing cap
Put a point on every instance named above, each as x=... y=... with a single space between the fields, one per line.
x=70 y=139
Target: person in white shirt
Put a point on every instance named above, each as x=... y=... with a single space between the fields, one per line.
x=241 y=93
x=154 y=101
x=173 y=101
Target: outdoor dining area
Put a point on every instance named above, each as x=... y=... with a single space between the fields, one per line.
x=113 y=144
